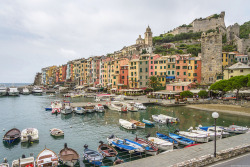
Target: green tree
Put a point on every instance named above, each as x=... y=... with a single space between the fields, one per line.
x=143 y=51
x=221 y=85
x=186 y=93
x=237 y=82
x=203 y=94
x=153 y=82
x=245 y=30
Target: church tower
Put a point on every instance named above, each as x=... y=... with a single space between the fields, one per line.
x=148 y=37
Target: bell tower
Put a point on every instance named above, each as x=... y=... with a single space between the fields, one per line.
x=148 y=37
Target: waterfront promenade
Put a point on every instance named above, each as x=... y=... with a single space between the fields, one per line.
x=199 y=155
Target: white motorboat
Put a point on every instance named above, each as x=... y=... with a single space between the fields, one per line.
x=37 y=90
x=79 y=110
x=130 y=106
x=66 y=109
x=56 y=132
x=89 y=108
x=219 y=130
x=5 y=163
x=47 y=157
x=26 y=91
x=201 y=138
x=140 y=106
x=126 y=124
x=236 y=129
x=13 y=91
x=161 y=144
x=118 y=106
x=23 y=162
x=99 y=108
x=3 y=90
x=29 y=135
x=56 y=106
x=164 y=119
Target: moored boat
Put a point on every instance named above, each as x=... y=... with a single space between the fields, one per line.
x=56 y=106
x=92 y=156
x=25 y=91
x=56 y=132
x=13 y=91
x=107 y=151
x=165 y=119
x=198 y=137
x=89 y=108
x=140 y=106
x=236 y=129
x=148 y=146
x=3 y=90
x=148 y=123
x=138 y=123
x=126 y=124
x=167 y=138
x=117 y=105
x=161 y=144
x=99 y=108
x=47 y=157
x=5 y=163
x=12 y=135
x=37 y=90
x=79 y=110
x=130 y=106
x=219 y=130
x=66 y=109
x=182 y=140
x=29 y=135
x=24 y=162
x=68 y=156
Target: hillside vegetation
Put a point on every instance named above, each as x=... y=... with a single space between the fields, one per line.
x=245 y=30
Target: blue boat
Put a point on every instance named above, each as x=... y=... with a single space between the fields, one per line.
x=12 y=135
x=147 y=122
x=167 y=138
x=182 y=140
x=92 y=156
x=48 y=109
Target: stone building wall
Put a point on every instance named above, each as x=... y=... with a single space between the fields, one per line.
x=232 y=31
x=243 y=45
x=211 y=51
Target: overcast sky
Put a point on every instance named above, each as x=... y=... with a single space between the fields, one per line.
x=40 y=33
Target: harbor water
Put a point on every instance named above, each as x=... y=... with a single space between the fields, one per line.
x=27 y=111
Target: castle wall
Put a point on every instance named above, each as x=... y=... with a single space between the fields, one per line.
x=232 y=31
x=211 y=51
x=243 y=45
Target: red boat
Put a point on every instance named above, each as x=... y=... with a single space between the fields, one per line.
x=148 y=146
x=191 y=145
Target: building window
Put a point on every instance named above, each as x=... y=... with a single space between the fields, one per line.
x=131 y=73
x=151 y=67
x=168 y=72
x=211 y=79
x=189 y=74
x=184 y=67
x=168 y=66
x=146 y=62
x=190 y=67
x=184 y=61
x=160 y=67
x=131 y=63
x=151 y=62
x=114 y=83
x=140 y=83
x=164 y=61
x=164 y=67
x=165 y=73
x=146 y=77
x=178 y=73
x=173 y=66
x=177 y=61
x=155 y=67
x=184 y=73
x=122 y=77
x=151 y=73
x=140 y=77
x=241 y=70
x=155 y=72
x=146 y=69
x=177 y=67
x=135 y=63
x=195 y=67
x=114 y=77
x=172 y=72
x=162 y=79
x=195 y=74
x=195 y=62
x=140 y=62
x=140 y=69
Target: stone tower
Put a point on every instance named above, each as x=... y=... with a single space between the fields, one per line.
x=139 y=40
x=211 y=59
x=148 y=37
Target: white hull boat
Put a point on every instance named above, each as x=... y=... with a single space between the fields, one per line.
x=47 y=157
x=25 y=91
x=89 y=108
x=219 y=130
x=118 y=106
x=130 y=107
x=56 y=106
x=79 y=110
x=3 y=90
x=236 y=129
x=4 y=165
x=140 y=106
x=126 y=124
x=161 y=144
x=66 y=110
x=23 y=162
x=200 y=138
x=56 y=132
x=99 y=108
x=13 y=91
x=164 y=119
x=29 y=135
x=37 y=90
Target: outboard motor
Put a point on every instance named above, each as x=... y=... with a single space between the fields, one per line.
x=148 y=135
x=23 y=156
x=111 y=137
x=85 y=146
x=29 y=139
x=101 y=142
x=65 y=145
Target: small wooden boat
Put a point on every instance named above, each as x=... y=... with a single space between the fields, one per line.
x=138 y=123
x=47 y=157
x=56 y=132
x=182 y=140
x=126 y=124
x=148 y=146
x=210 y=134
x=24 y=162
x=12 y=135
x=118 y=106
x=92 y=156
x=89 y=108
x=130 y=107
x=161 y=144
x=167 y=138
x=198 y=137
x=107 y=151
x=29 y=135
x=236 y=129
x=68 y=156
x=148 y=123
x=5 y=163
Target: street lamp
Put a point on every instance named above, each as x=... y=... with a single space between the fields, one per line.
x=215 y=115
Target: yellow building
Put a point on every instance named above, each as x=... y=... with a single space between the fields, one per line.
x=228 y=58
x=236 y=70
x=160 y=69
x=133 y=73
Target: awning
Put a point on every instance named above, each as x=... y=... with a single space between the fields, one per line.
x=170 y=77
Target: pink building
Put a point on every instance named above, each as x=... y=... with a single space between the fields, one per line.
x=179 y=86
x=151 y=64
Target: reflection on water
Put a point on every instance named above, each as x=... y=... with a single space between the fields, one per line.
x=11 y=145
x=29 y=144
x=28 y=111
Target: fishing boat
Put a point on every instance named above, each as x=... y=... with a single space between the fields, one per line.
x=138 y=123
x=161 y=144
x=13 y=91
x=99 y=108
x=219 y=130
x=126 y=124
x=210 y=134
x=66 y=109
x=236 y=129
x=24 y=162
x=29 y=135
x=107 y=151
x=165 y=119
x=68 y=156
x=148 y=123
x=149 y=147
x=89 y=108
x=25 y=91
x=127 y=145
x=198 y=137
x=130 y=106
x=182 y=140
x=78 y=110
x=3 y=90
x=12 y=135
x=37 y=90
x=56 y=132
x=167 y=138
x=92 y=156
x=140 y=106
x=117 y=105
x=47 y=157
x=56 y=106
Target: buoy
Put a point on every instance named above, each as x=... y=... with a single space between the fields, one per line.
x=82 y=123
x=70 y=126
x=3 y=129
